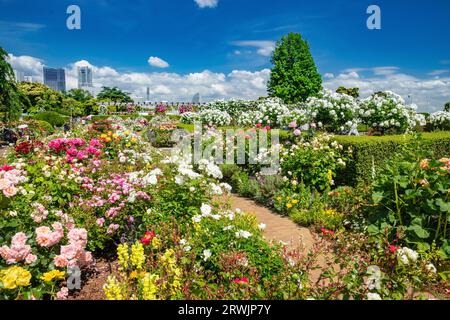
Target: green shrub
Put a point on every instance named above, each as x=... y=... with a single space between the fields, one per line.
x=44 y=125
x=411 y=201
x=53 y=118
x=369 y=154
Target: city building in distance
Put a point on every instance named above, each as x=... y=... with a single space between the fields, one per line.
x=84 y=77
x=55 y=78
x=19 y=75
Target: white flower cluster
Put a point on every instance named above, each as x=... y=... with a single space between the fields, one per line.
x=336 y=110
x=440 y=120
x=215 y=117
x=332 y=111
x=190 y=117
x=406 y=256
x=274 y=112
x=249 y=118
x=387 y=110
x=210 y=169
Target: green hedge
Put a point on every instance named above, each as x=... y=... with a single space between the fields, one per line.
x=53 y=118
x=370 y=153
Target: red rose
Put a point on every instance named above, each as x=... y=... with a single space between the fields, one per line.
x=241 y=280
x=147 y=239
x=267 y=128
x=327 y=232
x=393 y=248
x=259 y=125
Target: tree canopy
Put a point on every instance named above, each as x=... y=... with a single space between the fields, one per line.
x=447 y=107
x=114 y=94
x=10 y=104
x=294 y=75
x=79 y=95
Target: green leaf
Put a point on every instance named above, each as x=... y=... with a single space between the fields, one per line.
x=445 y=206
x=419 y=231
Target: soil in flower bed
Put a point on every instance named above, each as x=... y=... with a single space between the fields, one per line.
x=94 y=279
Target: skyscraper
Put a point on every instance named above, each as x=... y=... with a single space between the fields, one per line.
x=55 y=78
x=84 y=77
x=19 y=75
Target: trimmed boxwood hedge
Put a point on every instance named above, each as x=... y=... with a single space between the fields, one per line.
x=370 y=153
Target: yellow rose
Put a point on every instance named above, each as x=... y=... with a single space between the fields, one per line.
x=15 y=277
x=289 y=205
x=294 y=201
x=53 y=275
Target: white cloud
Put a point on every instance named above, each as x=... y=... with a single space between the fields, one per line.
x=207 y=3
x=264 y=47
x=29 y=65
x=429 y=94
x=439 y=72
x=157 y=62
x=328 y=75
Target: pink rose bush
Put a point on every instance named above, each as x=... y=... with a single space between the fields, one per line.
x=18 y=251
x=76 y=149
x=10 y=179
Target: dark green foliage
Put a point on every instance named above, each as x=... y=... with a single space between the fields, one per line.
x=447 y=107
x=353 y=92
x=10 y=106
x=371 y=153
x=294 y=75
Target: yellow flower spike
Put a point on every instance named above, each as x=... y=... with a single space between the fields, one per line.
x=137 y=255
x=156 y=243
x=113 y=289
x=123 y=256
x=149 y=287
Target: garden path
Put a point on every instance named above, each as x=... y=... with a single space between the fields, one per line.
x=278 y=228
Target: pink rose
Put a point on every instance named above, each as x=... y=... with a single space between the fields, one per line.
x=10 y=191
x=60 y=262
x=101 y=221
x=4 y=184
x=31 y=258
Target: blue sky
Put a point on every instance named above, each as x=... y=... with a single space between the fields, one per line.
x=209 y=39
